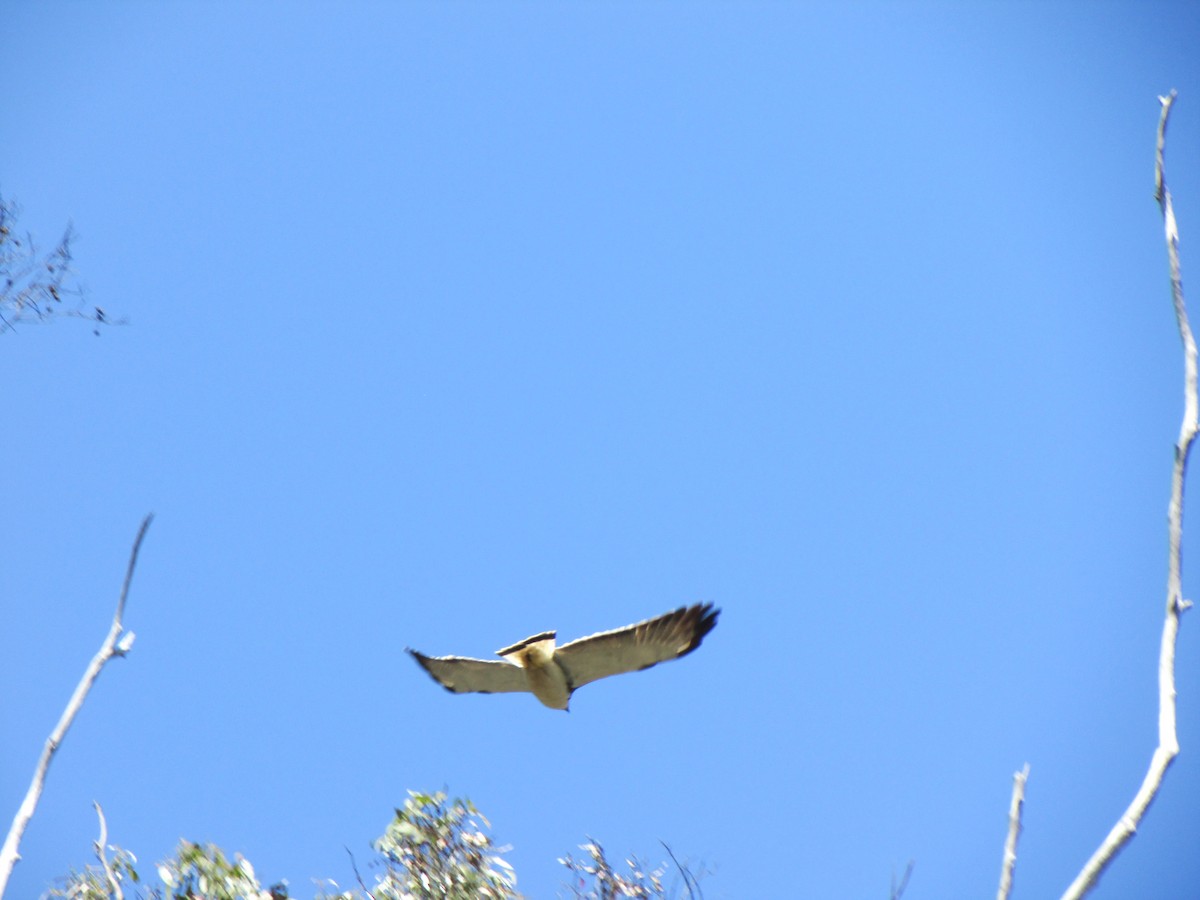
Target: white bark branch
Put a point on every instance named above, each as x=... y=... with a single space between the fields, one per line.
x=1168 y=742
x=1014 y=832
x=9 y=855
x=114 y=886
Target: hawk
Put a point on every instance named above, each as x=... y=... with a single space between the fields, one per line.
x=552 y=673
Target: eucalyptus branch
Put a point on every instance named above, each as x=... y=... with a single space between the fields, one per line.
x=1014 y=832
x=1168 y=741
x=116 y=643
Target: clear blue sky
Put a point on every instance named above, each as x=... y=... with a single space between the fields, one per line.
x=455 y=322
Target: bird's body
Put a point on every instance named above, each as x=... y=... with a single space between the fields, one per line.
x=553 y=673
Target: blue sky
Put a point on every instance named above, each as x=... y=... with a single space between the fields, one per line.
x=455 y=322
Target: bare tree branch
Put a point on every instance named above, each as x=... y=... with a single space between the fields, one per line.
x=898 y=888
x=1168 y=741
x=690 y=884
x=357 y=877
x=114 y=884
x=34 y=284
x=1014 y=832
x=117 y=643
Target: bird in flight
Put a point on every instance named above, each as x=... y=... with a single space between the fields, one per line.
x=552 y=673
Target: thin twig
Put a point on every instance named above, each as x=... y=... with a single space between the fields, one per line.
x=133 y=555
x=1168 y=741
x=354 y=866
x=113 y=883
x=1014 y=832
x=9 y=855
x=899 y=889
x=689 y=880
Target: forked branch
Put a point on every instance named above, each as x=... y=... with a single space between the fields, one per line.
x=1168 y=742
x=117 y=643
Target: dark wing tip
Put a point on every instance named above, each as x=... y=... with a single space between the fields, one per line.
x=700 y=619
x=421 y=661
x=419 y=657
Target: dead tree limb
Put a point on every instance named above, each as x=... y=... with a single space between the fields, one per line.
x=1014 y=832
x=114 y=884
x=117 y=643
x=1168 y=741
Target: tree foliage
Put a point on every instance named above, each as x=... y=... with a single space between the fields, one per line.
x=435 y=848
x=196 y=872
x=96 y=882
x=595 y=878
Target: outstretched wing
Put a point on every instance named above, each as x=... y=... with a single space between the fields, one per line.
x=464 y=675
x=637 y=646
